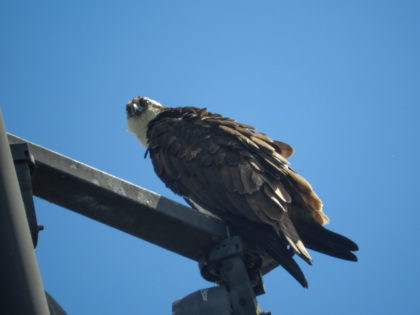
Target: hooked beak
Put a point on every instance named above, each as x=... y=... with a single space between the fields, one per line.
x=133 y=110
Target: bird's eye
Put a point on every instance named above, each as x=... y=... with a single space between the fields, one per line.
x=143 y=102
x=134 y=109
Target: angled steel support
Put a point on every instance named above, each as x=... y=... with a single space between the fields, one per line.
x=123 y=205
x=120 y=204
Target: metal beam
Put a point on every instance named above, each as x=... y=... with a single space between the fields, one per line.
x=125 y=206
x=21 y=286
x=122 y=205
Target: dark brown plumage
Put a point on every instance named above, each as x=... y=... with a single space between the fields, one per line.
x=242 y=176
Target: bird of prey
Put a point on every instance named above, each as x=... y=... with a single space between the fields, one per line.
x=240 y=175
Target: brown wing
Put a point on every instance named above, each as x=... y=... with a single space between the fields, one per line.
x=230 y=168
x=233 y=171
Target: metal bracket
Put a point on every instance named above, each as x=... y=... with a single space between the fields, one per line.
x=25 y=165
x=237 y=272
x=210 y=264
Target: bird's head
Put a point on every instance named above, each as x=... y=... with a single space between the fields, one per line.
x=140 y=111
x=142 y=105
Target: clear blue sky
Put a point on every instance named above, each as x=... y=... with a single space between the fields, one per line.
x=338 y=80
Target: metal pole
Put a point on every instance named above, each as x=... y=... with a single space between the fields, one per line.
x=22 y=291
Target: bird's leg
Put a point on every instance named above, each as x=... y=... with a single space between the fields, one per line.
x=228 y=231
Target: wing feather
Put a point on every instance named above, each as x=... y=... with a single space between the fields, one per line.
x=235 y=172
x=227 y=179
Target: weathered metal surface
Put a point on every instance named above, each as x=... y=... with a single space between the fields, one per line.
x=121 y=204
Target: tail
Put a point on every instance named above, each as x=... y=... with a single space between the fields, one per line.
x=284 y=257
x=318 y=238
x=284 y=227
x=267 y=239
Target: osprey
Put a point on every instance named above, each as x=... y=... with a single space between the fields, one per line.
x=240 y=175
